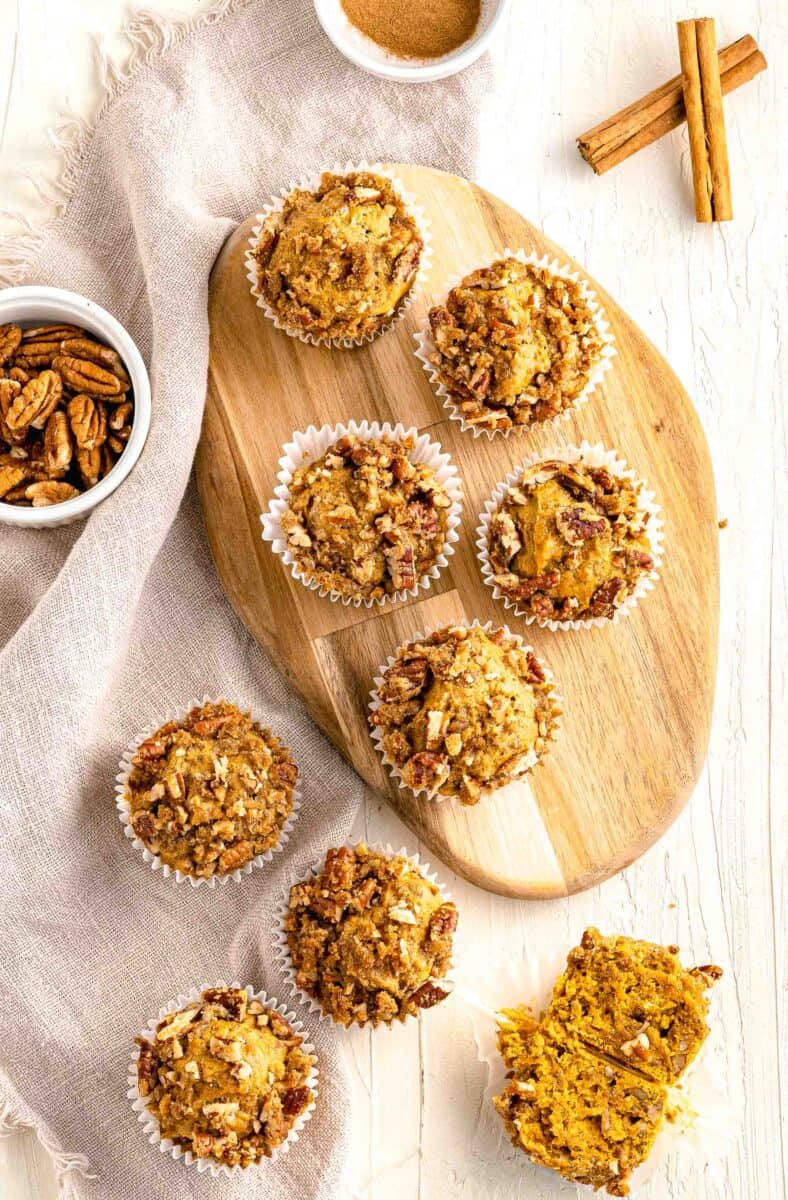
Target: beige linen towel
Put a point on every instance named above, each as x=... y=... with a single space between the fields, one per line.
x=107 y=625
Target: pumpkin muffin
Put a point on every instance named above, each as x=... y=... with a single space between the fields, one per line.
x=208 y=793
x=569 y=542
x=225 y=1077
x=364 y=520
x=633 y=1002
x=337 y=262
x=590 y=1120
x=515 y=344
x=464 y=711
x=588 y=1087
x=369 y=937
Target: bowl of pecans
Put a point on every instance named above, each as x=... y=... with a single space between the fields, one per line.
x=74 y=406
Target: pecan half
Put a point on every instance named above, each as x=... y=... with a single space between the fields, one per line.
x=425 y=769
x=576 y=526
x=58 y=445
x=89 y=463
x=88 y=421
x=36 y=402
x=49 y=491
x=94 y=352
x=11 y=477
x=10 y=338
x=81 y=375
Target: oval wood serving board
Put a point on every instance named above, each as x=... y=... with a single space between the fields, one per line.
x=638 y=696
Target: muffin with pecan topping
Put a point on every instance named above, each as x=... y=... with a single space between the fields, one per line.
x=370 y=937
x=515 y=344
x=226 y=1077
x=464 y=711
x=337 y=262
x=364 y=520
x=209 y=793
x=569 y=541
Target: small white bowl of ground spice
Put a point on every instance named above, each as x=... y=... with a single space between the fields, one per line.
x=409 y=40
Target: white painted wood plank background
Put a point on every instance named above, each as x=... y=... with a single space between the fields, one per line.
x=713 y=300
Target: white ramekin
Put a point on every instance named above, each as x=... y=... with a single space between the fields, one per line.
x=366 y=54
x=35 y=304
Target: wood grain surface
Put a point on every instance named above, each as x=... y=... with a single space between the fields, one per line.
x=638 y=695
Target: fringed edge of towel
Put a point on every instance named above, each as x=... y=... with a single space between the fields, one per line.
x=69 y=1168
x=148 y=36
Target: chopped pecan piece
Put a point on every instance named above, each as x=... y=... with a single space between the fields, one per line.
x=576 y=526
x=606 y=597
x=428 y=995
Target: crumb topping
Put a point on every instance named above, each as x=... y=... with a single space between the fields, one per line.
x=364 y=520
x=515 y=344
x=225 y=1077
x=337 y=262
x=569 y=541
x=370 y=937
x=465 y=711
x=209 y=793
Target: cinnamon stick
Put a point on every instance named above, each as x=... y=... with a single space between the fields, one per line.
x=622 y=135
x=705 y=119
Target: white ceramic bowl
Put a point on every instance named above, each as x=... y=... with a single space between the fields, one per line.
x=373 y=58
x=34 y=305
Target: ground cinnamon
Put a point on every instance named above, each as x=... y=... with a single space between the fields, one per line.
x=415 y=28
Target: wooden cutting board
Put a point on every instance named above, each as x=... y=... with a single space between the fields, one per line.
x=638 y=696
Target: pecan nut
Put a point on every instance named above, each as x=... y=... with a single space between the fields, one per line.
x=95 y=352
x=576 y=525
x=606 y=597
x=428 y=995
x=49 y=491
x=10 y=338
x=295 y=1100
x=88 y=419
x=58 y=445
x=11 y=476
x=81 y=375
x=36 y=402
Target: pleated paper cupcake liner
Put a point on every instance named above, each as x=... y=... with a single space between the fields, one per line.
x=530 y=760
x=427 y=354
x=705 y=1125
x=153 y=860
x=312 y=444
x=594 y=456
x=179 y=1153
x=282 y=949
x=311 y=183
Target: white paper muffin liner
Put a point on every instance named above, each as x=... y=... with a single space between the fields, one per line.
x=594 y=456
x=311 y=183
x=312 y=444
x=706 y=1123
x=530 y=760
x=282 y=949
x=427 y=354
x=148 y=1120
x=153 y=860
